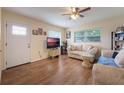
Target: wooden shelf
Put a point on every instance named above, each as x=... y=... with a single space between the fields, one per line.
x=116 y=43
x=119 y=40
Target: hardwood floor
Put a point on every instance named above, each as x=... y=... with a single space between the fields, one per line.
x=62 y=70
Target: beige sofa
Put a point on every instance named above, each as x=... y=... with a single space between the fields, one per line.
x=76 y=51
x=108 y=75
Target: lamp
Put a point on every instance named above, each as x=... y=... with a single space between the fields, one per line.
x=74 y=16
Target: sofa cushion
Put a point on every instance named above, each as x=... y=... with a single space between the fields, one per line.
x=76 y=47
x=107 y=61
x=79 y=47
x=119 y=59
x=107 y=53
x=76 y=52
x=87 y=47
x=93 y=51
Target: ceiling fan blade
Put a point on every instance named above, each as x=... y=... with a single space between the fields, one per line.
x=86 y=9
x=81 y=15
x=66 y=14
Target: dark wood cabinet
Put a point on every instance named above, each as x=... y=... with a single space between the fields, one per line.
x=63 y=50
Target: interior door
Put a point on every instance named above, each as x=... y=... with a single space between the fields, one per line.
x=18 y=45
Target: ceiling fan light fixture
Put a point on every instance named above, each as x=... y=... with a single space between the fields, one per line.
x=73 y=10
x=77 y=15
x=73 y=17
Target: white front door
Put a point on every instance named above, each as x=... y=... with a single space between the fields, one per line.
x=18 y=45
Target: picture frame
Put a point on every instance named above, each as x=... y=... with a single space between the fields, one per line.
x=45 y=33
x=40 y=31
x=68 y=34
x=35 y=32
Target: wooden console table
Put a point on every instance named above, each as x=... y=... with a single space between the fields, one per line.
x=53 y=53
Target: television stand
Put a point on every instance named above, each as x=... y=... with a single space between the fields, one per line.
x=53 y=53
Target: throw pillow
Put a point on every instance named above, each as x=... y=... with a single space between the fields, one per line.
x=76 y=47
x=114 y=54
x=93 y=51
x=119 y=59
x=87 y=47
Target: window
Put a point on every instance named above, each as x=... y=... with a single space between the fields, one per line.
x=18 y=30
x=92 y=35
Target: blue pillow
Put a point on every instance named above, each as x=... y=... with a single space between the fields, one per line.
x=107 y=61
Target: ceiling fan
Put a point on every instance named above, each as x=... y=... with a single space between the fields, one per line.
x=76 y=12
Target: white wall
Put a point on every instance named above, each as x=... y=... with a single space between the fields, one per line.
x=107 y=26
x=37 y=42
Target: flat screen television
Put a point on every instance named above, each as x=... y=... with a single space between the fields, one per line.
x=53 y=42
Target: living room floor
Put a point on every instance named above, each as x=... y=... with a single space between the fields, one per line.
x=62 y=70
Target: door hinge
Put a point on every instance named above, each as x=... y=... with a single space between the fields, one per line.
x=6 y=24
x=6 y=62
x=6 y=44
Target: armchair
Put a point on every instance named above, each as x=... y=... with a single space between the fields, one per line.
x=108 y=74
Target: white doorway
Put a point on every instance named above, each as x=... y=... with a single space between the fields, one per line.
x=18 y=45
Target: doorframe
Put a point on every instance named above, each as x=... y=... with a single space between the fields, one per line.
x=6 y=23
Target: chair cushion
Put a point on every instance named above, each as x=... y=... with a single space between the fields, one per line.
x=119 y=59
x=107 y=61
